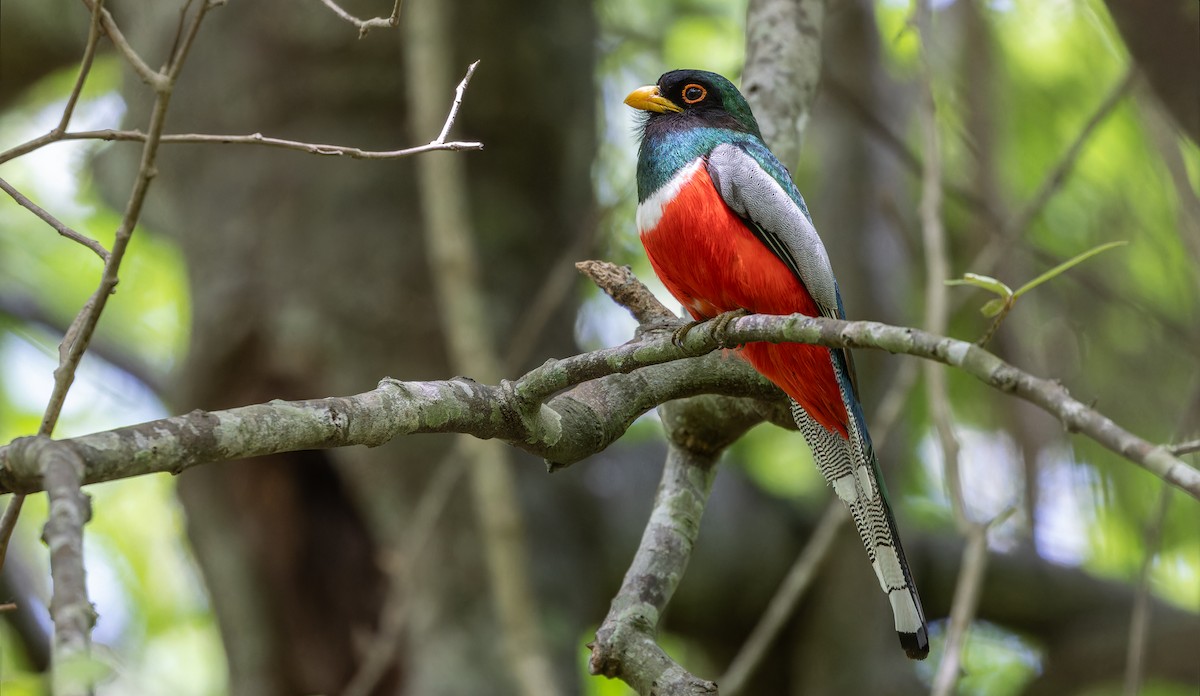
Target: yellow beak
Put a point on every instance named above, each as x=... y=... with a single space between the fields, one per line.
x=648 y=98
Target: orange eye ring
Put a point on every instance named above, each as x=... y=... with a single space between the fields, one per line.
x=689 y=93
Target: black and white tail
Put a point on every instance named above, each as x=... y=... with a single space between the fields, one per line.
x=850 y=467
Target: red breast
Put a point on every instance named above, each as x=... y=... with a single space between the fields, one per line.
x=712 y=263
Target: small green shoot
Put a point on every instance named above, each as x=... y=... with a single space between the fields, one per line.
x=1000 y=306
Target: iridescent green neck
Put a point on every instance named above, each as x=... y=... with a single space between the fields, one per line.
x=666 y=151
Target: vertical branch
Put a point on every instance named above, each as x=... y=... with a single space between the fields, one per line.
x=454 y=267
x=698 y=431
x=783 y=67
x=937 y=266
x=625 y=647
x=70 y=610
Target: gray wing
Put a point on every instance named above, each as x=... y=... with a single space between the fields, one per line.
x=759 y=196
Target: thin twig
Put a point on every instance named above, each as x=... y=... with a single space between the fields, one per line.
x=454 y=107
x=366 y=25
x=148 y=75
x=179 y=55
x=266 y=141
x=85 y=66
x=54 y=222
x=78 y=336
x=1183 y=448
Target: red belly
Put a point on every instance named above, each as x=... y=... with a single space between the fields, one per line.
x=713 y=263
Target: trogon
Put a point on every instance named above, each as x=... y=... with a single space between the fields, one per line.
x=726 y=230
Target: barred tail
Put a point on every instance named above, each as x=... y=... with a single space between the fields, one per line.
x=850 y=467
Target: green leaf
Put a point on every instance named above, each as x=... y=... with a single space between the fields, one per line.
x=1065 y=265
x=985 y=282
x=993 y=307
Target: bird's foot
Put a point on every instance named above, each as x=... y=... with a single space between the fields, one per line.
x=720 y=327
x=721 y=324
x=678 y=335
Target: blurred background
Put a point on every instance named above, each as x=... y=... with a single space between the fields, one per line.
x=260 y=274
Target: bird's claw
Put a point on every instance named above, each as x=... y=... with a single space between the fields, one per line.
x=679 y=335
x=721 y=324
x=719 y=328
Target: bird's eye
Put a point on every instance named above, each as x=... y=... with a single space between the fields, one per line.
x=694 y=93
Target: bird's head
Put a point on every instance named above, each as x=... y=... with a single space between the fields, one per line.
x=694 y=98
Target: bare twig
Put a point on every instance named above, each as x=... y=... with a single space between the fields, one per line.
x=54 y=222
x=78 y=336
x=1183 y=448
x=267 y=141
x=85 y=66
x=456 y=105
x=366 y=25
x=619 y=283
x=148 y=75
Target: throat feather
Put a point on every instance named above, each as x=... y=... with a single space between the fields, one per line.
x=650 y=211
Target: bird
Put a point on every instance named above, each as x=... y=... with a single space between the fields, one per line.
x=728 y=233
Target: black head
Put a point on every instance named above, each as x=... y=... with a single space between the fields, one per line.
x=695 y=98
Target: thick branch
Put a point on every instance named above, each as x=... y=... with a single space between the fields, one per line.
x=70 y=610
x=783 y=66
x=585 y=418
x=625 y=647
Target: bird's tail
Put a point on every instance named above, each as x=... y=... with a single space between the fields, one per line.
x=850 y=467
